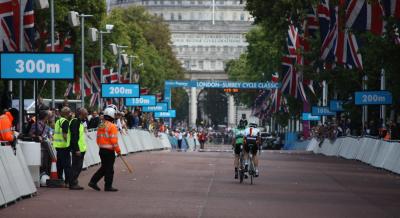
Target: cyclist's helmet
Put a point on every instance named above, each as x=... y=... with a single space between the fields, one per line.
x=254 y=125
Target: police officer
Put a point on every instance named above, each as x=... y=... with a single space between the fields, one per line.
x=77 y=143
x=107 y=140
x=61 y=145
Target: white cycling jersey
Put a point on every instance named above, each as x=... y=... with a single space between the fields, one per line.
x=251 y=131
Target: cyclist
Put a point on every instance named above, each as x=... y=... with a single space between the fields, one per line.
x=238 y=135
x=252 y=138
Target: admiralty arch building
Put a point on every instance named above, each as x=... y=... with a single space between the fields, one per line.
x=205 y=35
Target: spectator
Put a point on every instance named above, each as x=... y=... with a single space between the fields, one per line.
x=95 y=121
x=202 y=139
x=41 y=132
x=395 y=131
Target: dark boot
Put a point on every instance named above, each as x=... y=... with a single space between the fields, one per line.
x=110 y=189
x=94 y=186
x=236 y=174
x=75 y=187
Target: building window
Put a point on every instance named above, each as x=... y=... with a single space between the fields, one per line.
x=234 y=16
x=161 y=2
x=242 y=17
x=179 y=16
x=162 y=16
x=200 y=2
x=221 y=2
x=201 y=65
x=212 y=65
x=192 y=2
x=191 y=15
x=187 y=64
x=155 y=2
x=172 y=16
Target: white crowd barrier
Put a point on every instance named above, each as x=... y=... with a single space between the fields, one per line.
x=135 y=140
x=15 y=178
x=20 y=172
x=376 y=152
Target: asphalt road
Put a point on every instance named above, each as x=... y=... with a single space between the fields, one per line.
x=201 y=184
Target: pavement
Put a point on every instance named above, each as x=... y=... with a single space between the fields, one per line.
x=201 y=184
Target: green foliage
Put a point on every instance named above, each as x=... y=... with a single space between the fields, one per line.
x=146 y=36
x=266 y=46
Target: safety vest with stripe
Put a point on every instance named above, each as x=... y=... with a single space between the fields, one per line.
x=58 y=139
x=107 y=136
x=6 y=133
x=81 y=141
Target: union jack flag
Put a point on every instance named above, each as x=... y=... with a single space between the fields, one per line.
x=10 y=23
x=292 y=82
x=96 y=78
x=339 y=44
x=88 y=84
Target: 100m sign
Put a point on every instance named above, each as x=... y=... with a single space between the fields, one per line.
x=39 y=66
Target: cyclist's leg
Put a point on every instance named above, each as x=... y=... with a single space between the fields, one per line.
x=255 y=160
x=246 y=150
x=236 y=159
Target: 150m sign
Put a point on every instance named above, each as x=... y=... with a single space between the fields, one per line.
x=120 y=90
x=144 y=100
x=37 y=65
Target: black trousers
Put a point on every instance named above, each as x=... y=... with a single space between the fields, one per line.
x=76 y=168
x=106 y=170
x=64 y=163
x=179 y=143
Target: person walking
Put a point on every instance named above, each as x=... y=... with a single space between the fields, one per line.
x=107 y=140
x=60 y=143
x=77 y=143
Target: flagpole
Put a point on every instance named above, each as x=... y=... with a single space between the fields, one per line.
x=213 y=12
x=383 y=87
x=21 y=49
x=53 y=82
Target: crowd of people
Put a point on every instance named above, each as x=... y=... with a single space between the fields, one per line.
x=343 y=127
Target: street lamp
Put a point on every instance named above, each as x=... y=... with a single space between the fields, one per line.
x=116 y=50
x=74 y=21
x=94 y=31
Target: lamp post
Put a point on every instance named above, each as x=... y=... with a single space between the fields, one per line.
x=73 y=19
x=109 y=27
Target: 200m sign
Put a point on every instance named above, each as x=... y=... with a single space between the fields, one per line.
x=120 y=90
x=373 y=98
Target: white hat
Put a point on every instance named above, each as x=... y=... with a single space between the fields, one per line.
x=109 y=111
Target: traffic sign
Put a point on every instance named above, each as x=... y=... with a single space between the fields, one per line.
x=128 y=90
x=373 y=98
x=336 y=105
x=309 y=117
x=168 y=114
x=38 y=66
x=143 y=100
x=322 y=111
x=160 y=107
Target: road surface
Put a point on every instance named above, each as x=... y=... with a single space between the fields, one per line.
x=201 y=184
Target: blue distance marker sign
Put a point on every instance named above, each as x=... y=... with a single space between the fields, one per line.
x=373 y=98
x=336 y=105
x=221 y=84
x=38 y=66
x=131 y=90
x=160 y=107
x=322 y=111
x=310 y=117
x=143 y=100
x=168 y=114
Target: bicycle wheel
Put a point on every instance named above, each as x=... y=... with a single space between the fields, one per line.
x=241 y=176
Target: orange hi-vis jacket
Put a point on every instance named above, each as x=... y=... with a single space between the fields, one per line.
x=107 y=136
x=6 y=133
